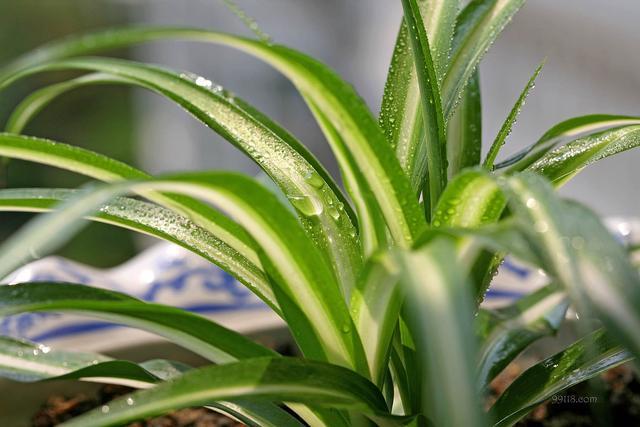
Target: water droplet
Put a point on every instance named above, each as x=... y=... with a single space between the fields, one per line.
x=129 y=401
x=105 y=409
x=202 y=82
x=346 y=329
x=306 y=205
x=314 y=179
x=334 y=213
x=532 y=203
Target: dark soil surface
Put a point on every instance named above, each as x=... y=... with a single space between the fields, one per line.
x=58 y=409
x=617 y=403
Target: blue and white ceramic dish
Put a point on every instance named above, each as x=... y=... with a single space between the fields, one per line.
x=168 y=274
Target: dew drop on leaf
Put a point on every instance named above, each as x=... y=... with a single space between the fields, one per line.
x=306 y=205
x=314 y=179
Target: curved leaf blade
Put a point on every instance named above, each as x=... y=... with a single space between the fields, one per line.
x=514 y=328
x=562 y=163
x=375 y=306
x=566 y=130
x=103 y=168
x=434 y=125
x=586 y=358
x=152 y=220
x=26 y=362
x=275 y=379
x=440 y=319
x=191 y=331
x=401 y=111
x=505 y=130
x=478 y=26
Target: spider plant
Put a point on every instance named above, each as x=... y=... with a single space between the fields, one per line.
x=380 y=284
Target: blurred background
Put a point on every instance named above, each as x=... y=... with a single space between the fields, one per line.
x=592 y=66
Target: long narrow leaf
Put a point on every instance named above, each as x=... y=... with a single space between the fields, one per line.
x=26 y=362
x=561 y=164
x=505 y=130
x=153 y=220
x=104 y=168
x=375 y=306
x=515 y=327
x=434 y=125
x=562 y=132
x=279 y=379
x=464 y=130
x=593 y=354
x=191 y=331
x=478 y=26
x=401 y=111
x=441 y=318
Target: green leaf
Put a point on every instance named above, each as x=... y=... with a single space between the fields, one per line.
x=31 y=105
x=369 y=154
x=373 y=229
x=311 y=190
x=256 y=414
x=440 y=319
x=401 y=111
x=305 y=287
x=505 y=130
x=563 y=163
x=586 y=358
x=563 y=131
x=464 y=130
x=273 y=379
x=26 y=362
x=375 y=306
x=471 y=199
x=513 y=328
x=478 y=26
x=193 y=332
x=435 y=139
x=581 y=254
x=155 y=221
x=231 y=238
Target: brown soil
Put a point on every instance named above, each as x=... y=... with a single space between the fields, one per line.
x=58 y=409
